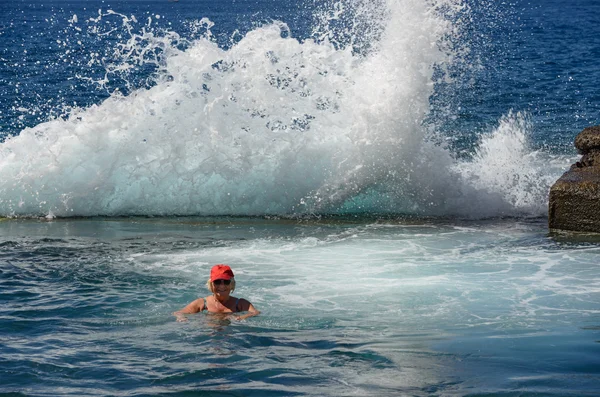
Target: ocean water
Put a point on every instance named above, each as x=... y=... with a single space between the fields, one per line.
x=375 y=172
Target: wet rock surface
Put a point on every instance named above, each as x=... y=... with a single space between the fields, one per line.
x=575 y=197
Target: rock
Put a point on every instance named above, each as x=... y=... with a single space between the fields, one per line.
x=575 y=197
x=588 y=140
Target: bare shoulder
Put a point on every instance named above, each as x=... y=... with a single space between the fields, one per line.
x=244 y=305
x=194 y=306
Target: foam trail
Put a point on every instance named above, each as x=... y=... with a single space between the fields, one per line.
x=272 y=125
x=510 y=176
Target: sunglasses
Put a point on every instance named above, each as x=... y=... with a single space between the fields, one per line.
x=219 y=282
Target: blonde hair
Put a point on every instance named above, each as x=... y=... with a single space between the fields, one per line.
x=211 y=288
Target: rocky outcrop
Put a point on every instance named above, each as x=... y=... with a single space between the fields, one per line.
x=575 y=196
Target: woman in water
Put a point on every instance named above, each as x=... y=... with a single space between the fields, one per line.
x=221 y=283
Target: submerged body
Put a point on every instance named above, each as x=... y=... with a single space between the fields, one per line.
x=221 y=283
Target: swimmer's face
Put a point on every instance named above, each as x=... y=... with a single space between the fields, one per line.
x=222 y=288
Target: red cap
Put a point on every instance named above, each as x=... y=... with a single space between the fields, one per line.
x=221 y=272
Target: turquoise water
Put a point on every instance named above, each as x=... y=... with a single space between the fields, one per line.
x=375 y=172
x=349 y=307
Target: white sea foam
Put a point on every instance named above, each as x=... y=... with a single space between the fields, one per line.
x=482 y=277
x=274 y=125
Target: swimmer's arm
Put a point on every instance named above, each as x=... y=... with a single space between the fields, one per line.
x=194 y=307
x=247 y=307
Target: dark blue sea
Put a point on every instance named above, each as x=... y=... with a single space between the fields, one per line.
x=376 y=173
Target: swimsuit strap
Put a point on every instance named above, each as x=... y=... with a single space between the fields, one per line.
x=237 y=300
x=205 y=307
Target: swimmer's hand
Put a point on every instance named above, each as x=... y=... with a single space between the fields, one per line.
x=194 y=307
x=180 y=317
x=247 y=315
